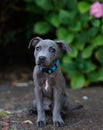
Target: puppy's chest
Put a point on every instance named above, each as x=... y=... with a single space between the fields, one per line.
x=47 y=84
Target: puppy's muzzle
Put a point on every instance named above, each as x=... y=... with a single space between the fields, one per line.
x=42 y=60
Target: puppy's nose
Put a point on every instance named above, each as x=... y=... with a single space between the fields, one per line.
x=42 y=58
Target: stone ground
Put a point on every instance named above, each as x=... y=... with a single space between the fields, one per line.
x=16 y=100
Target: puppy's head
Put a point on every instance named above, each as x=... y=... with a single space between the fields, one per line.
x=47 y=51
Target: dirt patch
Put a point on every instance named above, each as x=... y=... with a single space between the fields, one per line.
x=16 y=101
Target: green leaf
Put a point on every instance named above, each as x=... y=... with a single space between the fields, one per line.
x=69 y=66
x=84 y=66
x=83 y=6
x=80 y=45
x=91 y=33
x=30 y=8
x=76 y=26
x=41 y=28
x=64 y=16
x=89 y=67
x=66 y=59
x=96 y=22
x=72 y=5
x=81 y=37
x=92 y=77
x=96 y=76
x=78 y=81
x=99 y=55
x=63 y=33
x=53 y=18
x=84 y=18
x=74 y=52
x=72 y=70
x=100 y=74
x=59 y=5
x=87 y=52
x=44 y=4
x=98 y=40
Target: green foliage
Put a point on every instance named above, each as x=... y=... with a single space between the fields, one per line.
x=70 y=21
x=41 y=28
x=77 y=81
x=99 y=55
x=83 y=6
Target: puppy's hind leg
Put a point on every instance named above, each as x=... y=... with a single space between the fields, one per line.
x=66 y=107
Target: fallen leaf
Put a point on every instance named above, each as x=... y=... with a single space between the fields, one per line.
x=4 y=125
x=27 y=122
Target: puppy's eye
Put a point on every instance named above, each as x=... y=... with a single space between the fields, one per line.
x=52 y=50
x=38 y=48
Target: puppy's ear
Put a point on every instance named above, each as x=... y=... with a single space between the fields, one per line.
x=63 y=46
x=33 y=42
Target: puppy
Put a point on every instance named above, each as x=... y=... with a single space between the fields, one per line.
x=49 y=82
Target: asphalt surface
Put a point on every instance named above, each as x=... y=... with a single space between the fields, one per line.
x=17 y=101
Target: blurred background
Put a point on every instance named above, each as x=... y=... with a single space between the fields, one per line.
x=79 y=23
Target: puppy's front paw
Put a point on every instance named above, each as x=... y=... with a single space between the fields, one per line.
x=58 y=123
x=41 y=123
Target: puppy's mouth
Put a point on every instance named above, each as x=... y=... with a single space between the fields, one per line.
x=42 y=65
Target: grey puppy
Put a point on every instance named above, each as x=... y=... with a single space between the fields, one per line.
x=49 y=82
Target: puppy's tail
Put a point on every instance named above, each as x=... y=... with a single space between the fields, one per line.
x=71 y=108
x=76 y=107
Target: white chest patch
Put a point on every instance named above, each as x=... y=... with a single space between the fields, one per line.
x=46 y=85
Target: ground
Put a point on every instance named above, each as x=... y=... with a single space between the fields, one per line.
x=16 y=101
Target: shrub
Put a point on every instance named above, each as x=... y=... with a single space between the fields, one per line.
x=71 y=21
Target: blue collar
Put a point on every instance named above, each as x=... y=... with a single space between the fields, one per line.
x=52 y=69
